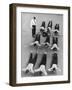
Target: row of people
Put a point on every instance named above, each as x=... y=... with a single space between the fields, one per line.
x=42 y=66
x=47 y=42
x=43 y=27
x=45 y=34
x=49 y=28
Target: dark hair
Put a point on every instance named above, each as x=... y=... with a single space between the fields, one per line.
x=43 y=24
x=49 y=24
x=57 y=26
x=34 y=17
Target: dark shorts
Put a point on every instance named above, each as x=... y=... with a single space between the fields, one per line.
x=47 y=39
x=54 y=59
x=37 y=38
x=33 y=60
x=33 y=30
x=43 y=60
x=55 y=40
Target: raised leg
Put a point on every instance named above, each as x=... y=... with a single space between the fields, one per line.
x=37 y=70
x=25 y=69
x=43 y=70
x=55 y=46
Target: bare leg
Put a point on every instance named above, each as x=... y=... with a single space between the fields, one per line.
x=25 y=69
x=43 y=70
x=46 y=43
x=54 y=66
x=29 y=67
x=50 y=69
x=37 y=70
x=37 y=43
x=55 y=46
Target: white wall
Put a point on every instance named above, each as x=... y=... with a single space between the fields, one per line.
x=4 y=44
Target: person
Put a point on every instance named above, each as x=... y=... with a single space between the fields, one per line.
x=49 y=26
x=47 y=41
x=33 y=26
x=55 y=43
x=47 y=34
x=54 y=64
x=42 y=66
x=31 y=63
x=38 y=37
x=42 y=27
x=36 y=41
x=43 y=30
x=56 y=29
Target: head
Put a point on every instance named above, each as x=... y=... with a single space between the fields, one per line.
x=57 y=26
x=48 y=30
x=50 y=24
x=34 y=17
x=43 y=24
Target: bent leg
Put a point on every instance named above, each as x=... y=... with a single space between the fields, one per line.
x=37 y=70
x=25 y=69
x=30 y=68
x=43 y=70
